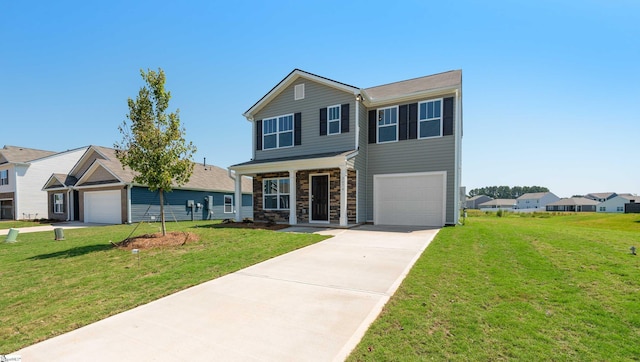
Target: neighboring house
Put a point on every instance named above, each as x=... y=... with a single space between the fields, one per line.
x=98 y=190
x=498 y=204
x=473 y=202
x=328 y=152
x=617 y=203
x=573 y=204
x=601 y=196
x=22 y=173
x=633 y=207
x=535 y=200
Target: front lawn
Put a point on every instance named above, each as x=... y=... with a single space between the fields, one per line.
x=51 y=287
x=531 y=287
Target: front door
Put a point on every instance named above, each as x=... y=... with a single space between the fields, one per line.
x=320 y=198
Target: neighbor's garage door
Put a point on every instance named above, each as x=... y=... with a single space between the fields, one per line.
x=409 y=199
x=102 y=207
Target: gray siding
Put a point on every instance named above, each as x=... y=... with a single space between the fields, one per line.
x=360 y=165
x=316 y=96
x=427 y=155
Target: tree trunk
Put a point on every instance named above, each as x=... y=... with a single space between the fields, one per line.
x=164 y=228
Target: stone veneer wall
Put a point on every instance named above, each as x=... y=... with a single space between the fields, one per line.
x=302 y=197
x=259 y=213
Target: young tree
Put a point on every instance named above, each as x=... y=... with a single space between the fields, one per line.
x=153 y=144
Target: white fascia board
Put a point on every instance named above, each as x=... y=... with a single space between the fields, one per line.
x=292 y=77
x=94 y=166
x=301 y=164
x=408 y=97
x=84 y=156
x=100 y=186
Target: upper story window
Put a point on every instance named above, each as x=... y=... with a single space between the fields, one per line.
x=333 y=119
x=58 y=203
x=4 y=177
x=276 y=194
x=278 y=132
x=387 y=124
x=430 y=119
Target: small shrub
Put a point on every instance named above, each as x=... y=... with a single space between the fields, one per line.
x=499 y=213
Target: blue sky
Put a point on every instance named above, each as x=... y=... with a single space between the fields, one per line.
x=551 y=88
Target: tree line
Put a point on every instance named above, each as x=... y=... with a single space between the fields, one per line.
x=506 y=192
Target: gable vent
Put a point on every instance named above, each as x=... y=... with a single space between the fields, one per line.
x=298 y=92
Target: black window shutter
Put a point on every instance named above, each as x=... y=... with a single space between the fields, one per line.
x=402 y=122
x=344 y=121
x=258 y=135
x=323 y=121
x=297 y=129
x=372 y=126
x=413 y=121
x=447 y=117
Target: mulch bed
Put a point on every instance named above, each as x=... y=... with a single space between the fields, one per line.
x=174 y=238
x=251 y=225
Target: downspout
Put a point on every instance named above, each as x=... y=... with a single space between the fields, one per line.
x=129 y=203
x=358 y=99
x=68 y=205
x=458 y=158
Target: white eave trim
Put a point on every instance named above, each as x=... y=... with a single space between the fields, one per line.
x=94 y=166
x=368 y=102
x=292 y=77
x=300 y=164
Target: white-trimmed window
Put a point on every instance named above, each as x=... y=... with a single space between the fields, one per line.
x=4 y=177
x=228 y=204
x=276 y=194
x=58 y=203
x=620 y=208
x=602 y=208
x=387 y=124
x=430 y=119
x=298 y=92
x=277 y=132
x=333 y=119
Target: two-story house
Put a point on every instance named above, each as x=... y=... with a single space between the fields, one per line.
x=329 y=152
x=22 y=172
x=535 y=200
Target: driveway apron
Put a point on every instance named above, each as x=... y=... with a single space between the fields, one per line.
x=313 y=304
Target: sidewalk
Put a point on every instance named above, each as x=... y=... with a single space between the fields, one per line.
x=35 y=229
x=313 y=304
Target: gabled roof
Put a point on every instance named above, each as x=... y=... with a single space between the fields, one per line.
x=413 y=88
x=14 y=154
x=288 y=80
x=574 y=201
x=210 y=178
x=601 y=195
x=477 y=197
x=499 y=202
x=59 y=181
x=533 y=195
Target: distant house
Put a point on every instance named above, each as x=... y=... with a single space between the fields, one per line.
x=601 y=196
x=99 y=190
x=473 y=202
x=617 y=203
x=498 y=204
x=22 y=173
x=535 y=200
x=574 y=204
x=633 y=207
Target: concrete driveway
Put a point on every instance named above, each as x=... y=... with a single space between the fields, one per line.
x=313 y=304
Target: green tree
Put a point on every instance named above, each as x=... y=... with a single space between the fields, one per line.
x=153 y=143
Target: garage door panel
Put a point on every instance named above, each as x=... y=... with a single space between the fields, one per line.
x=410 y=199
x=102 y=207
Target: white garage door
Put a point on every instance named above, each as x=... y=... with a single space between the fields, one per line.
x=409 y=199
x=102 y=207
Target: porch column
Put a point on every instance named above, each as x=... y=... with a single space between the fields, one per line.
x=343 y=196
x=238 y=197
x=293 y=219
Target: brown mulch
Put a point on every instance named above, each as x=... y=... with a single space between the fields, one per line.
x=175 y=238
x=251 y=225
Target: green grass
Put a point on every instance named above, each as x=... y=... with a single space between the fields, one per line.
x=531 y=288
x=8 y=224
x=51 y=287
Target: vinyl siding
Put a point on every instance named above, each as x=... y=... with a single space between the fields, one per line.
x=145 y=203
x=31 y=200
x=316 y=96
x=360 y=165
